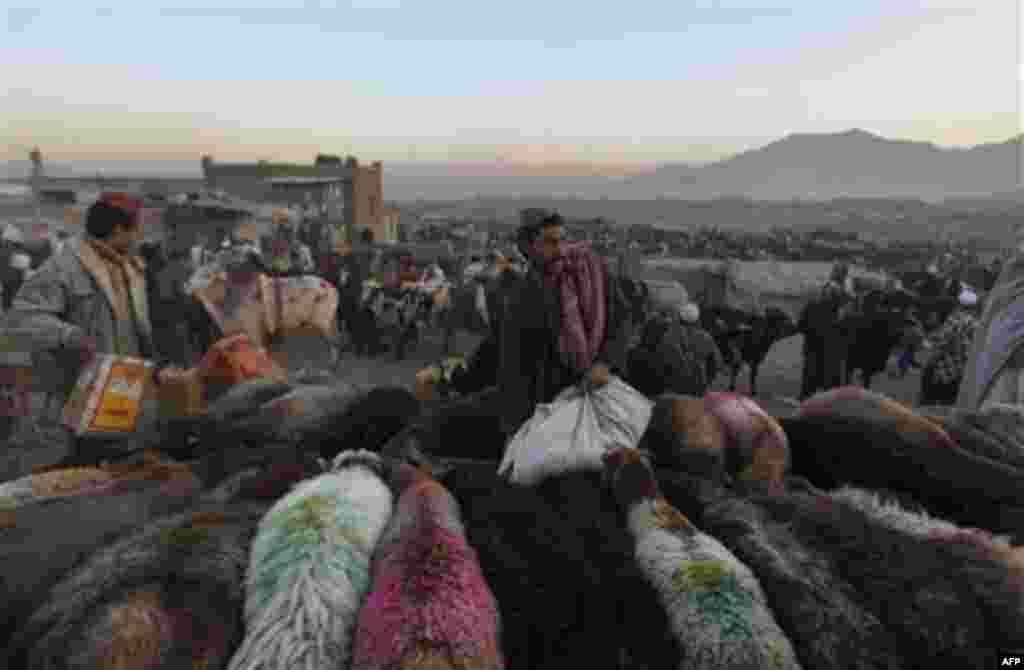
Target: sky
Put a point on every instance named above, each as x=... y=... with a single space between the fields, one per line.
x=613 y=84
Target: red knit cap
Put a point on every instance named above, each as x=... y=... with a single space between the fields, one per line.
x=123 y=201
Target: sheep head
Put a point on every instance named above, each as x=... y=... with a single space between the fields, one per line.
x=633 y=482
x=630 y=475
x=357 y=458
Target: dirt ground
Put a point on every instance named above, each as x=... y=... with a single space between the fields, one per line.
x=34 y=445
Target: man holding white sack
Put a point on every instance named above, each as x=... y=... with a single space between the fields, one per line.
x=89 y=299
x=563 y=322
x=562 y=339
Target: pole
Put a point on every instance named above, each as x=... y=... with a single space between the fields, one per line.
x=37 y=174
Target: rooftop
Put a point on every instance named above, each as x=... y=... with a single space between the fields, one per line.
x=307 y=181
x=275 y=170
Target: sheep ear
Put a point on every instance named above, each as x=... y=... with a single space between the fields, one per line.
x=438 y=470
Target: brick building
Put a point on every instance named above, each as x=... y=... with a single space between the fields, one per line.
x=343 y=192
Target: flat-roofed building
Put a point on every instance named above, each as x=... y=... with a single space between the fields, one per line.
x=345 y=192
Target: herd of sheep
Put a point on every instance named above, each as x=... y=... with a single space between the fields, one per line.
x=316 y=527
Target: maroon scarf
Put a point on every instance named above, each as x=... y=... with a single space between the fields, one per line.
x=579 y=276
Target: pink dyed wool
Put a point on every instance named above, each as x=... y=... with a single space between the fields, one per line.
x=427 y=586
x=760 y=444
x=856 y=402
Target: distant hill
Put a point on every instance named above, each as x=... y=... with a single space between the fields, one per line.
x=854 y=163
x=403 y=180
x=850 y=164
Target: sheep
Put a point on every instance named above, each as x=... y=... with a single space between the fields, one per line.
x=88 y=523
x=309 y=568
x=243 y=398
x=852 y=591
x=430 y=606
x=723 y=436
x=683 y=435
x=54 y=482
x=718 y=610
x=466 y=427
x=368 y=421
x=891 y=514
x=288 y=418
x=859 y=403
x=949 y=482
x=829 y=629
x=559 y=565
x=43 y=540
x=166 y=596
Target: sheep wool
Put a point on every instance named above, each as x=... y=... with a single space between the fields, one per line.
x=717 y=609
x=309 y=570
x=163 y=597
x=757 y=449
x=919 y=524
x=430 y=606
x=55 y=484
x=858 y=403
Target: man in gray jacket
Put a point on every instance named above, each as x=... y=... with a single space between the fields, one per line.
x=89 y=299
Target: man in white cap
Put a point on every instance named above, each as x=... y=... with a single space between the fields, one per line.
x=674 y=354
x=940 y=379
x=701 y=342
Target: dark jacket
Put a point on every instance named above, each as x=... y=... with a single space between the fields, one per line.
x=530 y=369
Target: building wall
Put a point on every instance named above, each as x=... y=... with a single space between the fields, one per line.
x=363 y=190
x=386 y=229
x=169 y=186
x=364 y=198
x=247 y=188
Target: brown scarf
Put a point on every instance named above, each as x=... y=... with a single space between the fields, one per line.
x=124 y=271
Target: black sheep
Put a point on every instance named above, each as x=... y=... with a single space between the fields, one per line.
x=948 y=481
x=854 y=592
x=49 y=537
x=560 y=565
x=466 y=427
x=169 y=591
x=366 y=422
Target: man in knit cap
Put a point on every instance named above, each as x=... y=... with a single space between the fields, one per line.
x=89 y=299
x=563 y=322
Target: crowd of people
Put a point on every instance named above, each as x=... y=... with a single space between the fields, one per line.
x=564 y=320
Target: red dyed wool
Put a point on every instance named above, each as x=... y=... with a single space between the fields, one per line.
x=427 y=587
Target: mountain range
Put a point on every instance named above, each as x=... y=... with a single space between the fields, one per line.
x=854 y=163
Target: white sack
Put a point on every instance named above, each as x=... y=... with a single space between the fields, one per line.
x=574 y=431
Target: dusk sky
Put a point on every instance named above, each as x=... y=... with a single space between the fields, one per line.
x=613 y=83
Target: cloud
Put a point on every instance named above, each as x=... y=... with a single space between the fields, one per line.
x=559 y=24
x=916 y=74
x=20 y=18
